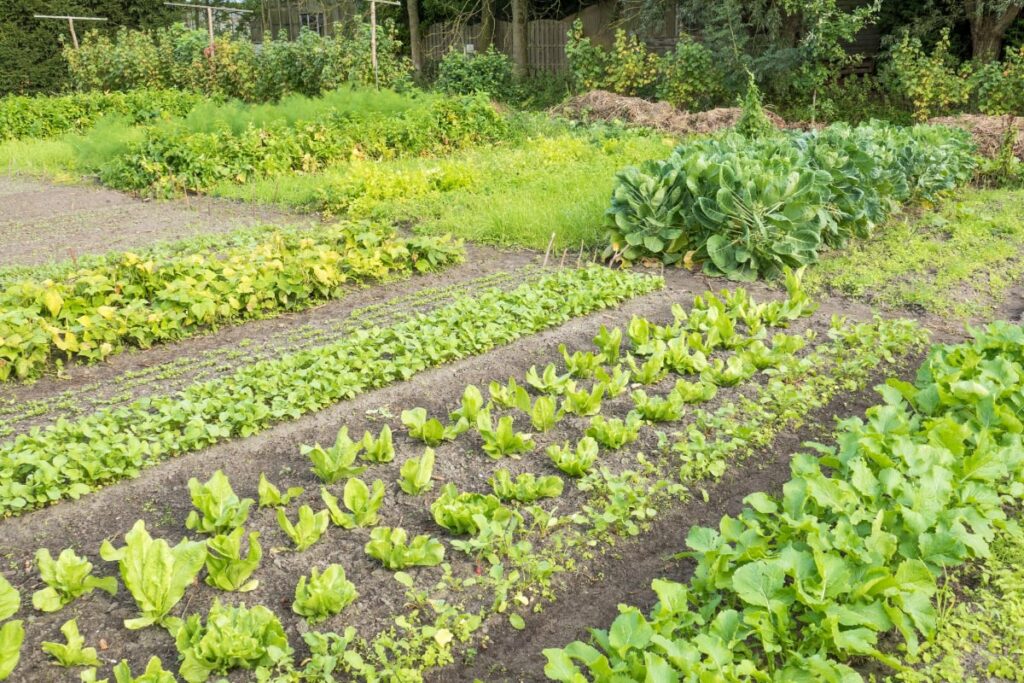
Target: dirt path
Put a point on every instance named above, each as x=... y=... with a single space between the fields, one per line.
x=42 y=222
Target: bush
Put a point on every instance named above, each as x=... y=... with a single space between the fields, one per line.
x=999 y=88
x=688 y=78
x=934 y=83
x=490 y=72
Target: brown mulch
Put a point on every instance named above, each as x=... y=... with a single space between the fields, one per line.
x=988 y=131
x=606 y=106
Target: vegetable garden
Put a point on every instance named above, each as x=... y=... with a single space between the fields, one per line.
x=513 y=397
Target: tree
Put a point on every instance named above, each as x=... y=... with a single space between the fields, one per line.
x=415 y=39
x=520 y=53
x=487 y=24
x=989 y=20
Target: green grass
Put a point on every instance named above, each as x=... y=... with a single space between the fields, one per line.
x=957 y=261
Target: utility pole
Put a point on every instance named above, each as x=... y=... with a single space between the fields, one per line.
x=210 y=9
x=373 y=36
x=71 y=23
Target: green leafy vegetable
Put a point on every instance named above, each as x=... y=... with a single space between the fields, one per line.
x=526 y=488
x=333 y=464
x=549 y=382
x=583 y=402
x=471 y=405
x=73 y=652
x=381 y=449
x=219 y=509
x=363 y=504
x=154 y=673
x=391 y=547
x=581 y=364
x=504 y=439
x=66 y=578
x=509 y=395
x=461 y=513
x=575 y=462
x=12 y=634
x=545 y=413
x=324 y=594
x=10 y=599
x=609 y=343
x=416 y=473
x=614 y=433
x=271 y=496
x=227 y=568
x=430 y=431
x=307 y=530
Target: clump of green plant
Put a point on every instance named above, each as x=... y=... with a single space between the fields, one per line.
x=381 y=449
x=615 y=432
x=502 y=440
x=935 y=83
x=657 y=408
x=154 y=673
x=509 y=395
x=333 y=464
x=415 y=473
x=581 y=364
x=430 y=431
x=582 y=402
x=154 y=573
x=465 y=74
x=526 y=488
x=271 y=496
x=753 y=122
x=549 y=381
x=391 y=546
x=227 y=568
x=545 y=414
x=470 y=406
x=218 y=509
x=307 y=530
x=462 y=513
x=66 y=578
x=362 y=502
x=324 y=594
x=577 y=461
x=73 y=652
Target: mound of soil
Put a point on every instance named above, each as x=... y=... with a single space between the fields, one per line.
x=988 y=131
x=606 y=106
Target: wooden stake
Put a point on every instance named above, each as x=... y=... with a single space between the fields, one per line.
x=373 y=37
x=210 y=9
x=547 y=253
x=579 y=259
x=71 y=23
x=564 y=254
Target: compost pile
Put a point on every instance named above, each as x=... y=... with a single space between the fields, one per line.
x=988 y=131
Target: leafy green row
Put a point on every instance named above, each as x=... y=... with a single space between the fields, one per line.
x=44 y=116
x=69 y=459
x=94 y=312
x=746 y=208
x=796 y=586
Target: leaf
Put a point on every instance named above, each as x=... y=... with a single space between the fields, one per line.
x=53 y=301
x=73 y=652
x=10 y=599
x=629 y=630
x=517 y=621
x=759 y=583
x=12 y=634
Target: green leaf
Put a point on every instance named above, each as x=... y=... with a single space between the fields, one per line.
x=72 y=653
x=12 y=634
x=10 y=599
x=517 y=621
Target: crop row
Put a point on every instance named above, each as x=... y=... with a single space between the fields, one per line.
x=849 y=557
x=70 y=458
x=44 y=116
x=491 y=525
x=94 y=312
x=747 y=208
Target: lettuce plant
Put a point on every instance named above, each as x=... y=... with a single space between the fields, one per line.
x=615 y=432
x=680 y=357
x=574 y=462
x=456 y=511
x=154 y=673
x=430 y=430
x=526 y=488
x=581 y=364
x=415 y=473
x=657 y=408
x=12 y=635
x=72 y=652
x=10 y=599
x=333 y=464
x=307 y=530
x=583 y=402
x=392 y=548
x=694 y=392
x=381 y=449
x=545 y=413
x=509 y=395
x=271 y=496
x=504 y=439
x=549 y=381
x=324 y=594
x=609 y=343
x=651 y=371
x=218 y=509
x=470 y=406
x=226 y=567
x=66 y=578
x=232 y=637
x=613 y=383
x=727 y=373
x=154 y=573
x=362 y=503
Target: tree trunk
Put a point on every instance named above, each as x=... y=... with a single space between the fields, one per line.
x=988 y=29
x=520 y=55
x=415 y=39
x=486 y=26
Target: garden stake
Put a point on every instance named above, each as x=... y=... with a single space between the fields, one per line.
x=547 y=253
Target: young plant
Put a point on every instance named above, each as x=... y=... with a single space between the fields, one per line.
x=656 y=408
x=549 y=382
x=545 y=414
x=583 y=402
x=12 y=635
x=574 y=462
x=456 y=511
x=324 y=594
x=609 y=343
x=307 y=530
x=381 y=449
x=581 y=364
x=694 y=392
x=218 y=509
x=333 y=464
x=509 y=395
x=73 y=652
x=232 y=637
x=271 y=496
x=471 y=405
x=679 y=358
x=430 y=431
x=526 y=488
x=728 y=373
x=363 y=504
x=154 y=673
x=226 y=567
x=154 y=573
x=391 y=547
x=615 y=383
x=416 y=472
x=614 y=433
x=66 y=578
x=502 y=440
x=652 y=371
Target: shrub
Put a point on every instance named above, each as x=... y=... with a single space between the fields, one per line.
x=999 y=87
x=688 y=77
x=934 y=83
x=490 y=72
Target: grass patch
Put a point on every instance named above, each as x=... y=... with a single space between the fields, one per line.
x=958 y=260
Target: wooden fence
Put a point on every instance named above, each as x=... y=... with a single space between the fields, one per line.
x=545 y=39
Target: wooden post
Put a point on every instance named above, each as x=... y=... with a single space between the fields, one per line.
x=210 y=9
x=373 y=37
x=209 y=26
x=71 y=23
x=71 y=27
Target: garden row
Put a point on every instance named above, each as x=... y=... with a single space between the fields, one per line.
x=805 y=585
x=94 y=312
x=745 y=206
x=518 y=558
x=70 y=458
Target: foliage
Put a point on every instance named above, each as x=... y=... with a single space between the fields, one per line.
x=749 y=208
x=94 y=312
x=324 y=594
x=226 y=567
x=44 y=116
x=232 y=637
x=934 y=83
x=392 y=547
x=73 y=652
x=463 y=513
x=689 y=77
x=381 y=449
x=362 y=503
x=614 y=432
x=246 y=402
x=10 y=599
x=271 y=496
x=333 y=464
x=307 y=530
x=154 y=573
x=465 y=74
x=154 y=673
x=549 y=381
x=753 y=122
x=545 y=413
x=66 y=578
x=430 y=430
x=999 y=87
x=525 y=488
x=582 y=402
x=12 y=634
x=218 y=509
x=415 y=473
x=503 y=439
x=577 y=461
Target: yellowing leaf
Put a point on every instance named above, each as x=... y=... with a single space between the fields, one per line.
x=53 y=301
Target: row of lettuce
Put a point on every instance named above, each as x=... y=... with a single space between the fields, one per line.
x=746 y=206
x=848 y=560
x=94 y=312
